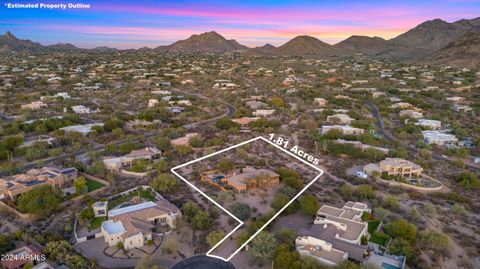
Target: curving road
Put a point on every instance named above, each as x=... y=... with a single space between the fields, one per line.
x=381 y=126
x=229 y=113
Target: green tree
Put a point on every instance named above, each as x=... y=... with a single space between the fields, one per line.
x=400 y=246
x=468 y=180
x=401 y=229
x=183 y=149
x=309 y=204
x=279 y=201
x=286 y=258
x=436 y=242
x=226 y=124
x=165 y=183
x=278 y=102
x=391 y=202
x=139 y=165
x=459 y=209
x=86 y=215
x=241 y=211
x=365 y=192
x=346 y=191
x=201 y=221
x=214 y=237
x=196 y=141
x=414 y=215
x=6 y=243
x=41 y=201
x=190 y=209
x=430 y=210
x=381 y=213
x=285 y=236
x=80 y=185
x=161 y=166
x=225 y=165
x=263 y=246
x=162 y=143
x=291 y=178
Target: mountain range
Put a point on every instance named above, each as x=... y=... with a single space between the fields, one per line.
x=435 y=41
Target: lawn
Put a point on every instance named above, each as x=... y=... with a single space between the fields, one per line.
x=93 y=185
x=377 y=237
x=372 y=226
x=147 y=195
x=96 y=222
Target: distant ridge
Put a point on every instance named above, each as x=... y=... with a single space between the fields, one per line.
x=429 y=42
x=462 y=52
x=206 y=42
x=433 y=35
x=306 y=45
x=266 y=49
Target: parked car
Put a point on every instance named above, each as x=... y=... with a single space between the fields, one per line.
x=361 y=175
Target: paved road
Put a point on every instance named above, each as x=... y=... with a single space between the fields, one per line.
x=229 y=113
x=381 y=126
x=203 y=262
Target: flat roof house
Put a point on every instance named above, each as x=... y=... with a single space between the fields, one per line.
x=345 y=129
x=84 y=129
x=432 y=124
x=394 y=167
x=21 y=183
x=339 y=119
x=35 y=105
x=439 y=138
x=335 y=235
x=247 y=179
x=410 y=114
x=132 y=225
x=117 y=163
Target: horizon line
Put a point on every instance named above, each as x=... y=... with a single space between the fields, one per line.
x=115 y=45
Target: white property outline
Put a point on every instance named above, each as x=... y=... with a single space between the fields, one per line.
x=228 y=212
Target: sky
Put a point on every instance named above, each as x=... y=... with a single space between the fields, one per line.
x=138 y=23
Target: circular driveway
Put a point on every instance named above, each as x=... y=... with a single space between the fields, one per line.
x=203 y=262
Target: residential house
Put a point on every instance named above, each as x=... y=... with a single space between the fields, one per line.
x=361 y=146
x=245 y=120
x=132 y=226
x=394 y=167
x=401 y=105
x=410 y=114
x=117 y=163
x=339 y=119
x=255 y=104
x=320 y=101
x=84 y=129
x=82 y=110
x=20 y=257
x=152 y=102
x=247 y=179
x=35 y=105
x=439 y=137
x=344 y=129
x=263 y=112
x=431 y=124
x=461 y=108
x=16 y=185
x=100 y=208
x=335 y=235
